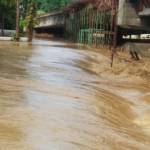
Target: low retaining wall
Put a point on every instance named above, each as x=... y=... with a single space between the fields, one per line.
x=7 y=32
x=22 y=39
x=142 y=48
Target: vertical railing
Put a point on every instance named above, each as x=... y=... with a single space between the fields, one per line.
x=90 y=26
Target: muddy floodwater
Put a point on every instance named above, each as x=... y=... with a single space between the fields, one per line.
x=52 y=98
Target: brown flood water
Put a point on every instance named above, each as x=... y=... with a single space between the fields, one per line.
x=51 y=98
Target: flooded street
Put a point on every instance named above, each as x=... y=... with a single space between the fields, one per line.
x=53 y=98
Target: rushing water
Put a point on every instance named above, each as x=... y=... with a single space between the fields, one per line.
x=51 y=98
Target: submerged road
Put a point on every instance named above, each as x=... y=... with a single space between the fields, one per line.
x=53 y=98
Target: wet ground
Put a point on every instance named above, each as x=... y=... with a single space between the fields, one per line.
x=52 y=98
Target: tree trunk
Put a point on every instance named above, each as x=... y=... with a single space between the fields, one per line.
x=3 y=21
x=17 y=19
x=31 y=14
x=30 y=33
x=2 y=24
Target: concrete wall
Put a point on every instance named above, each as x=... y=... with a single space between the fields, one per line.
x=7 y=32
x=127 y=15
x=51 y=20
x=141 y=48
x=145 y=17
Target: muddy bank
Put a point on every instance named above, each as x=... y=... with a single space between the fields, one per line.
x=123 y=64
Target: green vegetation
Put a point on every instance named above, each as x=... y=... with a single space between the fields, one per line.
x=7 y=14
x=48 y=5
x=25 y=12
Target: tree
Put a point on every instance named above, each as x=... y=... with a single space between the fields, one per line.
x=5 y=6
x=31 y=18
x=17 y=19
x=26 y=12
x=49 y=5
